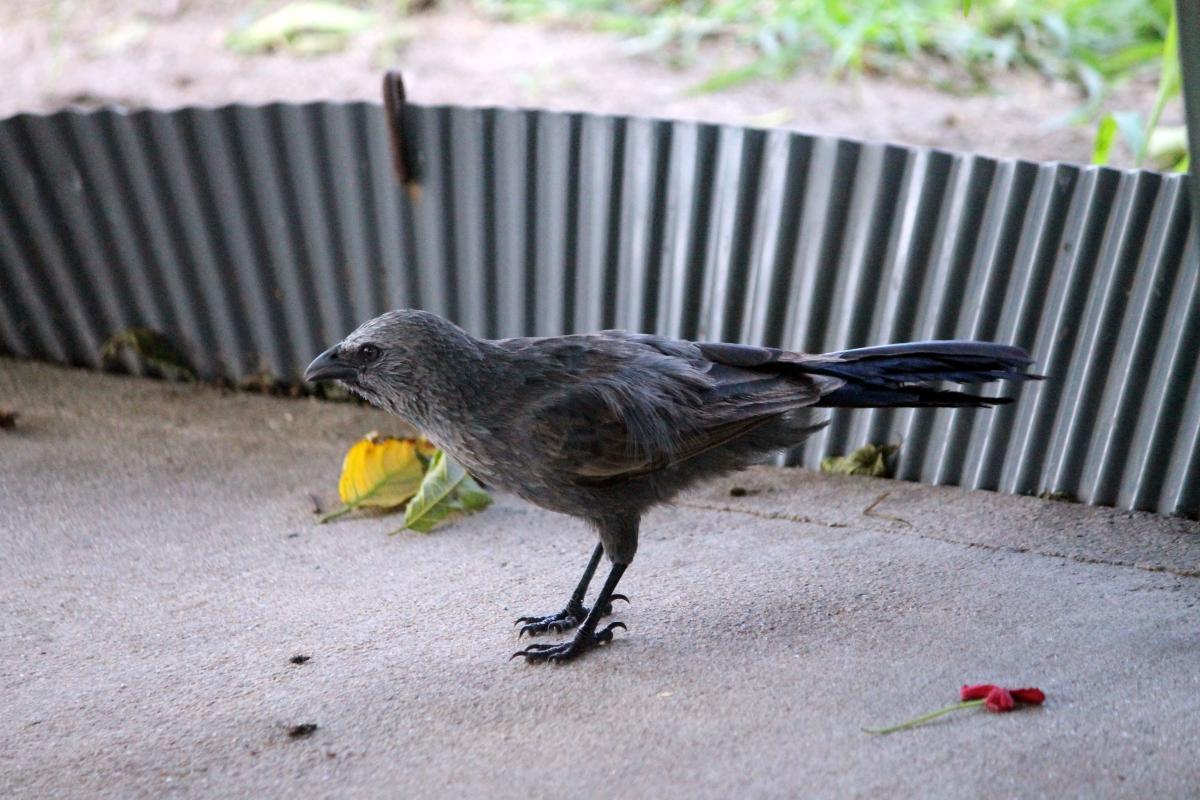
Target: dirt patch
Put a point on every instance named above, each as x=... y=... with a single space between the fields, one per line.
x=168 y=53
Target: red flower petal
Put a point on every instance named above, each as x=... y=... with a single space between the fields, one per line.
x=1032 y=696
x=999 y=700
x=977 y=692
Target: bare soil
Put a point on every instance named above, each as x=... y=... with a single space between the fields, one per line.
x=168 y=53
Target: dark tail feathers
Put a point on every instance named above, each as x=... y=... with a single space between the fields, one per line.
x=892 y=375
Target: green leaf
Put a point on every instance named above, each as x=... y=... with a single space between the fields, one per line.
x=1106 y=134
x=472 y=495
x=1170 y=83
x=1167 y=145
x=1129 y=58
x=1130 y=125
x=727 y=79
x=157 y=352
x=305 y=28
x=871 y=459
x=446 y=490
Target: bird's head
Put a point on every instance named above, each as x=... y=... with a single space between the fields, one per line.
x=398 y=359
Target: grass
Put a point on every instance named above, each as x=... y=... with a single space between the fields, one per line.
x=1089 y=42
x=1166 y=147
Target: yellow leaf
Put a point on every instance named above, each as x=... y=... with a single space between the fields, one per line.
x=386 y=472
x=872 y=459
x=380 y=471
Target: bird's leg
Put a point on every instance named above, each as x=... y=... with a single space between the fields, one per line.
x=576 y=611
x=587 y=636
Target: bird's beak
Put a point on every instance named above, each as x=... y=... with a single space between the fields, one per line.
x=329 y=366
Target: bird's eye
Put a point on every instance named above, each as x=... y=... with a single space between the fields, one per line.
x=368 y=352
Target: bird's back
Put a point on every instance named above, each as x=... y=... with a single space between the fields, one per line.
x=616 y=410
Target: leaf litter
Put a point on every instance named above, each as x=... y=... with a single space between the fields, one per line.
x=387 y=473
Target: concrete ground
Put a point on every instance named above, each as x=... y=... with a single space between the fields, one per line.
x=160 y=566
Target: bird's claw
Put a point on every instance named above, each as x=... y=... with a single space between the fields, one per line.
x=570 y=617
x=583 y=640
x=565 y=620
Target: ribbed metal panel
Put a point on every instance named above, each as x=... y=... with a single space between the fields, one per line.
x=255 y=236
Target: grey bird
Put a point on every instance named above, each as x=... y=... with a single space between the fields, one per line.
x=603 y=426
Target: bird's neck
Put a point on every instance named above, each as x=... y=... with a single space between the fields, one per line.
x=458 y=395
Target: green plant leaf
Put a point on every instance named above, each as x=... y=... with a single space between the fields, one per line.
x=874 y=460
x=1170 y=84
x=472 y=495
x=1110 y=39
x=1167 y=145
x=446 y=490
x=727 y=79
x=1129 y=123
x=1106 y=135
x=305 y=28
x=157 y=352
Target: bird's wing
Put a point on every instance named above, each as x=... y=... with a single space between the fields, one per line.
x=640 y=412
x=602 y=447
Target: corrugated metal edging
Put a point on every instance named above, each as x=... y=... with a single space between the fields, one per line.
x=255 y=236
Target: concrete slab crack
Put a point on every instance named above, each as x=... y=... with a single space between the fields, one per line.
x=911 y=532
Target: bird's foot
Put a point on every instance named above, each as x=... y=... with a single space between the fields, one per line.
x=570 y=617
x=583 y=640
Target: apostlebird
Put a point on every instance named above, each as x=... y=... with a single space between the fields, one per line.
x=603 y=426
